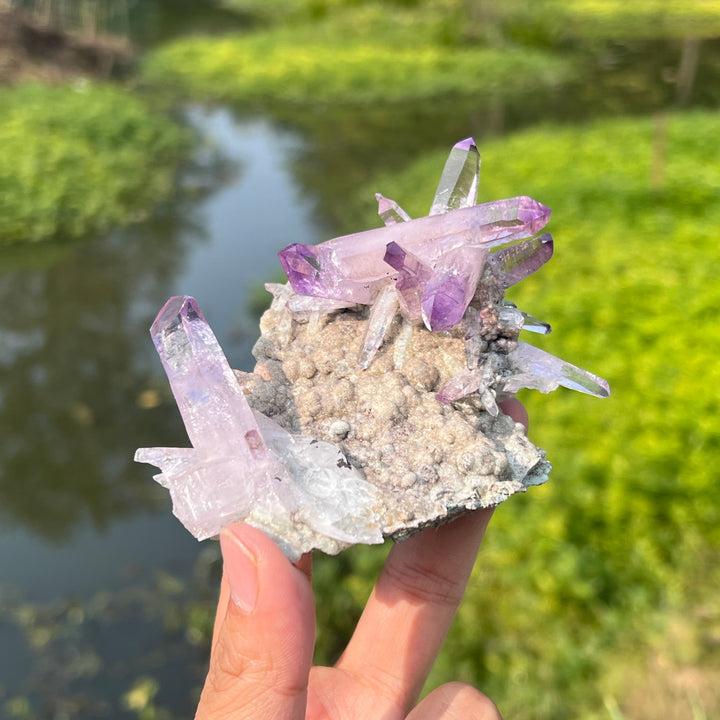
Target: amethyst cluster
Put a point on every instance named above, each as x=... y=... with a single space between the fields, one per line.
x=447 y=270
x=372 y=411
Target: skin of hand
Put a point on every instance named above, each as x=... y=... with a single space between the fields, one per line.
x=262 y=648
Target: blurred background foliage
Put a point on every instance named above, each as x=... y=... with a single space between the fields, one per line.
x=81 y=159
x=595 y=596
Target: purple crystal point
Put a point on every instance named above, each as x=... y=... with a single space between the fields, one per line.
x=389 y=211
x=338 y=273
x=467 y=382
x=516 y=262
x=539 y=370
x=302 y=266
x=243 y=465
x=411 y=280
x=458 y=184
x=201 y=379
x=451 y=287
x=352 y=267
x=210 y=484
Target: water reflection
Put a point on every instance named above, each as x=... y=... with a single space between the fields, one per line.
x=249 y=221
x=81 y=387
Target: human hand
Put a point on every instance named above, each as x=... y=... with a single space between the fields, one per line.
x=261 y=660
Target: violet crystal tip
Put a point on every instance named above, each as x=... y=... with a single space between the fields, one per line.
x=175 y=310
x=300 y=263
x=394 y=256
x=467 y=144
x=529 y=210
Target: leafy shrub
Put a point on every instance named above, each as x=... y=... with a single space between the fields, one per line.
x=369 y=59
x=79 y=159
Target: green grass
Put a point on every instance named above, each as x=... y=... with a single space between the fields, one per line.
x=79 y=159
x=580 y=576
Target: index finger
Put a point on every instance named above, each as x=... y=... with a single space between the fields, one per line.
x=411 y=609
x=413 y=605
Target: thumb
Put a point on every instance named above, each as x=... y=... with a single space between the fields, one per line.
x=262 y=655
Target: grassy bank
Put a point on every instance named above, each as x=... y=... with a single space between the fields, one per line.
x=80 y=159
x=359 y=55
x=587 y=580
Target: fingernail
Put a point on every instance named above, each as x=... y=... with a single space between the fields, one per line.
x=240 y=566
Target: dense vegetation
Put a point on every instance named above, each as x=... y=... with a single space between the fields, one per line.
x=82 y=158
x=566 y=19
x=363 y=55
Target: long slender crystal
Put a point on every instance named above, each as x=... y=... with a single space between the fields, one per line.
x=389 y=211
x=516 y=262
x=211 y=483
x=202 y=381
x=539 y=370
x=402 y=344
x=529 y=322
x=458 y=184
x=381 y=316
x=532 y=324
x=352 y=267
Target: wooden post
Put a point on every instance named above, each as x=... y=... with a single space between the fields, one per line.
x=686 y=72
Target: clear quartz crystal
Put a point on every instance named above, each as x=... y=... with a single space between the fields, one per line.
x=389 y=211
x=243 y=465
x=402 y=344
x=459 y=181
x=381 y=316
x=510 y=317
x=534 y=368
x=532 y=324
x=474 y=344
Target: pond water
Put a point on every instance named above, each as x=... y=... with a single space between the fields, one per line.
x=82 y=386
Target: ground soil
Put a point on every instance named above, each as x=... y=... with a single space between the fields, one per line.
x=30 y=50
